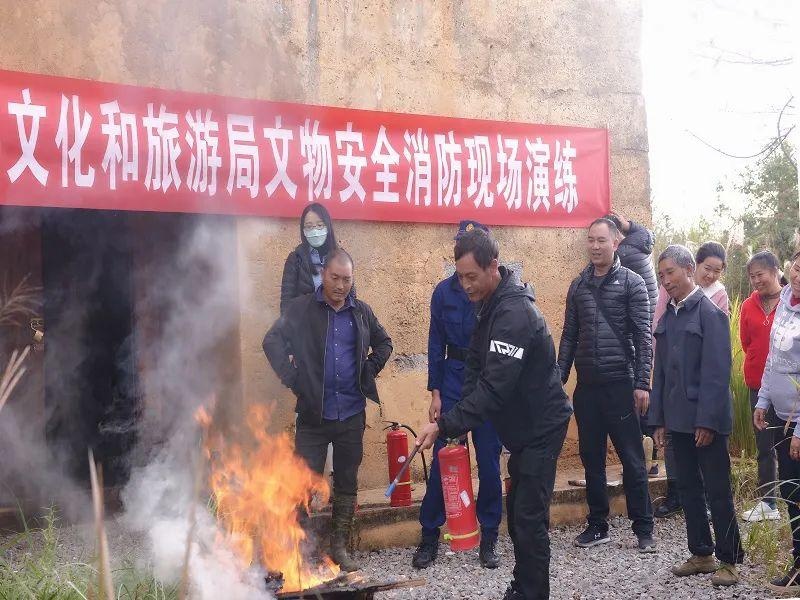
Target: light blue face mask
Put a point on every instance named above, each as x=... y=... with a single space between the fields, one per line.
x=316 y=237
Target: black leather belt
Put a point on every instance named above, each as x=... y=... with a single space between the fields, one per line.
x=456 y=353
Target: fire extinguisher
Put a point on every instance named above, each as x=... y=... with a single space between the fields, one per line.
x=397 y=453
x=463 y=531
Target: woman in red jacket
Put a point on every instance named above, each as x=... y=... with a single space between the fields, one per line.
x=755 y=322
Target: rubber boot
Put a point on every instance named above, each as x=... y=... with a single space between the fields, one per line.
x=344 y=508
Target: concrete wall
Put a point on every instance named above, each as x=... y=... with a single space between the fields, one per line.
x=562 y=62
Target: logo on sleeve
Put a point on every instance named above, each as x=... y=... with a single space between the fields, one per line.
x=506 y=349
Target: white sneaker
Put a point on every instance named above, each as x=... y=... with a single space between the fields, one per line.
x=761 y=512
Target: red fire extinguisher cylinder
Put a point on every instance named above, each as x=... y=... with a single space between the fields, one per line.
x=463 y=531
x=397 y=451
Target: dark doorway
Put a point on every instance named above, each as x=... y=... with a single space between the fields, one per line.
x=91 y=387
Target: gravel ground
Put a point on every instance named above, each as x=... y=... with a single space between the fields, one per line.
x=611 y=571
x=614 y=571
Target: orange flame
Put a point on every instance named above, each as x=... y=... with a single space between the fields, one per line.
x=258 y=490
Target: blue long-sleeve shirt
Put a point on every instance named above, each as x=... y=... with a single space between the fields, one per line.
x=452 y=322
x=342 y=397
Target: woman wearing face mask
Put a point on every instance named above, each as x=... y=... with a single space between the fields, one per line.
x=302 y=273
x=755 y=322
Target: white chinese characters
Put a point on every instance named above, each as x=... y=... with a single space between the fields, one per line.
x=292 y=157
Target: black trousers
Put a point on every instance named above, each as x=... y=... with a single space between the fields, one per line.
x=789 y=473
x=706 y=472
x=533 y=476
x=767 y=460
x=311 y=443
x=604 y=411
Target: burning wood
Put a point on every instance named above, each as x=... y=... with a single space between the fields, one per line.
x=352 y=586
x=260 y=487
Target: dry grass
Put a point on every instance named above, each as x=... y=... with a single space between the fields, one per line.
x=20 y=304
x=13 y=373
x=105 y=586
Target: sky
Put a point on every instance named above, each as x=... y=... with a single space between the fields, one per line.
x=718 y=70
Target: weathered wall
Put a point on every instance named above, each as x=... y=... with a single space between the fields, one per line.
x=562 y=62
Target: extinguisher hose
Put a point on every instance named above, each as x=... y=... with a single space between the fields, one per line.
x=448 y=537
x=396 y=425
x=421 y=454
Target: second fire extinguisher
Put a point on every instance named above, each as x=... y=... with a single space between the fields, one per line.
x=397 y=453
x=463 y=531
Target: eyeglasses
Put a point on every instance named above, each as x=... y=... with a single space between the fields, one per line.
x=316 y=227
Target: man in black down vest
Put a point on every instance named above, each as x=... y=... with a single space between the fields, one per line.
x=607 y=335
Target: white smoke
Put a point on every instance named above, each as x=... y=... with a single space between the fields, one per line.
x=201 y=298
x=160 y=503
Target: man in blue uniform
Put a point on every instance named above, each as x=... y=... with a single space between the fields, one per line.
x=452 y=324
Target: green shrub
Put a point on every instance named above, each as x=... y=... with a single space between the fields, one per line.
x=30 y=568
x=743 y=441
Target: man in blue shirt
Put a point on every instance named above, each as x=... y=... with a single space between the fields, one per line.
x=320 y=349
x=452 y=324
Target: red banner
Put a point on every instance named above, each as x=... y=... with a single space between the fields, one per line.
x=86 y=144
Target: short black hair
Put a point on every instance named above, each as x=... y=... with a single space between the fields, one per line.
x=481 y=244
x=339 y=254
x=711 y=250
x=766 y=258
x=612 y=227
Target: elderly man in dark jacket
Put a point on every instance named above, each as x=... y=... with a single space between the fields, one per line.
x=320 y=349
x=691 y=400
x=607 y=334
x=512 y=380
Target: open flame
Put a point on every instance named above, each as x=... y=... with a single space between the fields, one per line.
x=258 y=488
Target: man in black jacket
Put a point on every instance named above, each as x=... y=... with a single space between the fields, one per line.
x=319 y=348
x=607 y=334
x=635 y=252
x=512 y=380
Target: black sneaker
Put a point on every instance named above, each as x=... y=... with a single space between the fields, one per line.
x=653 y=472
x=592 y=536
x=488 y=556
x=787 y=583
x=668 y=508
x=425 y=554
x=647 y=544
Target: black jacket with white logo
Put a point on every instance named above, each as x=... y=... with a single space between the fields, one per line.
x=512 y=378
x=613 y=344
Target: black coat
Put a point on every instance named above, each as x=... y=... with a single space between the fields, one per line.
x=297 y=277
x=301 y=331
x=636 y=253
x=589 y=339
x=512 y=378
x=691 y=381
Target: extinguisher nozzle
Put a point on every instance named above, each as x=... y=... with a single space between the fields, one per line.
x=390 y=489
